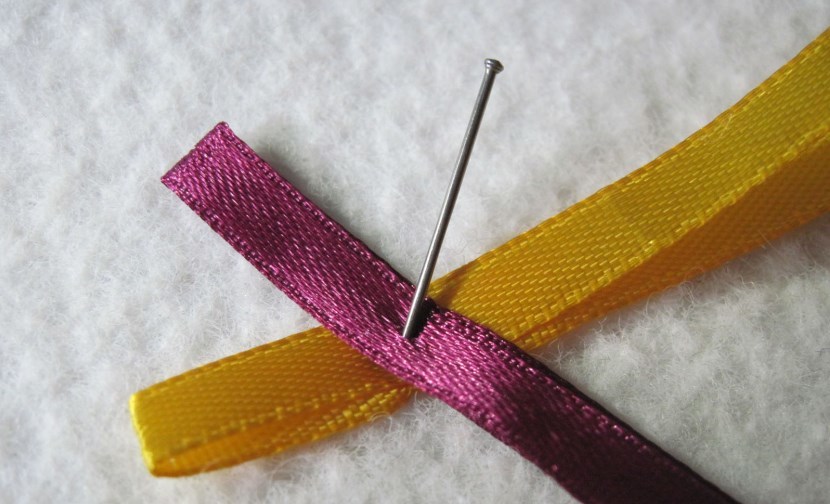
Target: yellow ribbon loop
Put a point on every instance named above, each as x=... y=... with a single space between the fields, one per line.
x=757 y=171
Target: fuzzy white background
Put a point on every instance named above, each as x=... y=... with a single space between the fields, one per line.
x=108 y=283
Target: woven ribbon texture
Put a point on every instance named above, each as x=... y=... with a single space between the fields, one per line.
x=364 y=301
x=757 y=171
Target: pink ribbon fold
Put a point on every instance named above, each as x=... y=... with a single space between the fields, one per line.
x=355 y=294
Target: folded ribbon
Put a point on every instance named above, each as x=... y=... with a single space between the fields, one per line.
x=757 y=171
x=336 y=278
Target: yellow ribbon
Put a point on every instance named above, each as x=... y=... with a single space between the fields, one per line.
x=758 y=170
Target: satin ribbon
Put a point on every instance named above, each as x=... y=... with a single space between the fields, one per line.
x=757 y=171
x=359 y=297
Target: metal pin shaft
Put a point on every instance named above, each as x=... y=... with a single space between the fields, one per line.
x=492 y=67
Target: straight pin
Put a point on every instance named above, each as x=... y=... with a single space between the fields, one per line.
x=412 y=326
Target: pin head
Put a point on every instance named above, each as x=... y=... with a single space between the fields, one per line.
x=493 y=65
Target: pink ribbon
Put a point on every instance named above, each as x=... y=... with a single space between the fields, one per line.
x=355 y=294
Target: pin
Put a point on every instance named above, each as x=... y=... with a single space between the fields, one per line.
x=491 y=68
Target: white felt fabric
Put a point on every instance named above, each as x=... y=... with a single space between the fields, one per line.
x=110 y=283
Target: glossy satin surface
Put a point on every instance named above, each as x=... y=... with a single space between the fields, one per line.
x=758 y=170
